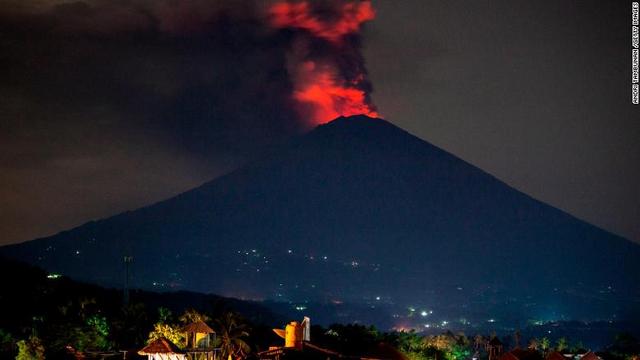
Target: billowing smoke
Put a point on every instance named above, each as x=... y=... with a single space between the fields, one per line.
x=325 y=64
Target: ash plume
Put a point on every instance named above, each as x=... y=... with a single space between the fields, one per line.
x=325 y=63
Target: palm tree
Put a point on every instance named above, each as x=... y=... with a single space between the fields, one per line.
x=544 y=344
x=562 y=344
x=533 y=344
x=232 y=332
x=191 y=316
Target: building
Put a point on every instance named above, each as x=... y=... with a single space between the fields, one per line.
x=162 y=349
x=298 y=345
x=200 y=345
x=200 y=341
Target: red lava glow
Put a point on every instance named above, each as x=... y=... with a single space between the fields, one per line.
x=321 y=94
x=299 y=15
x=327 y=98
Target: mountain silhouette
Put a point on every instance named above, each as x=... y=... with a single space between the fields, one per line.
x=359 y=211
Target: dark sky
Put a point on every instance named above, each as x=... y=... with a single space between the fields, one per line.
x=107 y=106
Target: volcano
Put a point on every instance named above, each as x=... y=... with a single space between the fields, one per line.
x=360 y=211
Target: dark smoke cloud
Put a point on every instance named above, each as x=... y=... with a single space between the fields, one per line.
x=141 y=98
x=325 y=64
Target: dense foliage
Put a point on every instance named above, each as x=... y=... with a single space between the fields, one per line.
x=52 y=317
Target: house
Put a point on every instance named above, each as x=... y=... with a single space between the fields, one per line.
x=162 y=349
x=309 y=351
x=306 y=350
x=298 y=345
x=200 y=340
x=199 y=335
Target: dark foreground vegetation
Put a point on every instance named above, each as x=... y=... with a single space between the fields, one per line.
x=50 y=316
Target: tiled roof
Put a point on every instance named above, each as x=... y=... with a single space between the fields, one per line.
x=590 y=356
x=160 y=346
x=198 y=327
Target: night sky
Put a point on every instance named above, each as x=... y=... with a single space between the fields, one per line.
x=107 y=106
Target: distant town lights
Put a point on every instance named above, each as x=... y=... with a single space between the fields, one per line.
x=424 y=313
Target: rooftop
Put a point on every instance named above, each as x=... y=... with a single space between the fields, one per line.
x=160 y=346
x=198 y=327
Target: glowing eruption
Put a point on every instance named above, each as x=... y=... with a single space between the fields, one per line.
x=335 y=83
x=300 y=15
x=327 y=97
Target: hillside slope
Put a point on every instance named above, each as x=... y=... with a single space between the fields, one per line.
x=359 y=210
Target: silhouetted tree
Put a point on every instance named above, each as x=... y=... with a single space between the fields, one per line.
x=131 y=326
x=164 y=315
x=561 y=344
x=232 y=334
x=624 y=346
x=191 y=315
x=545 y=344
x=7 y=342
x=516 y=339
